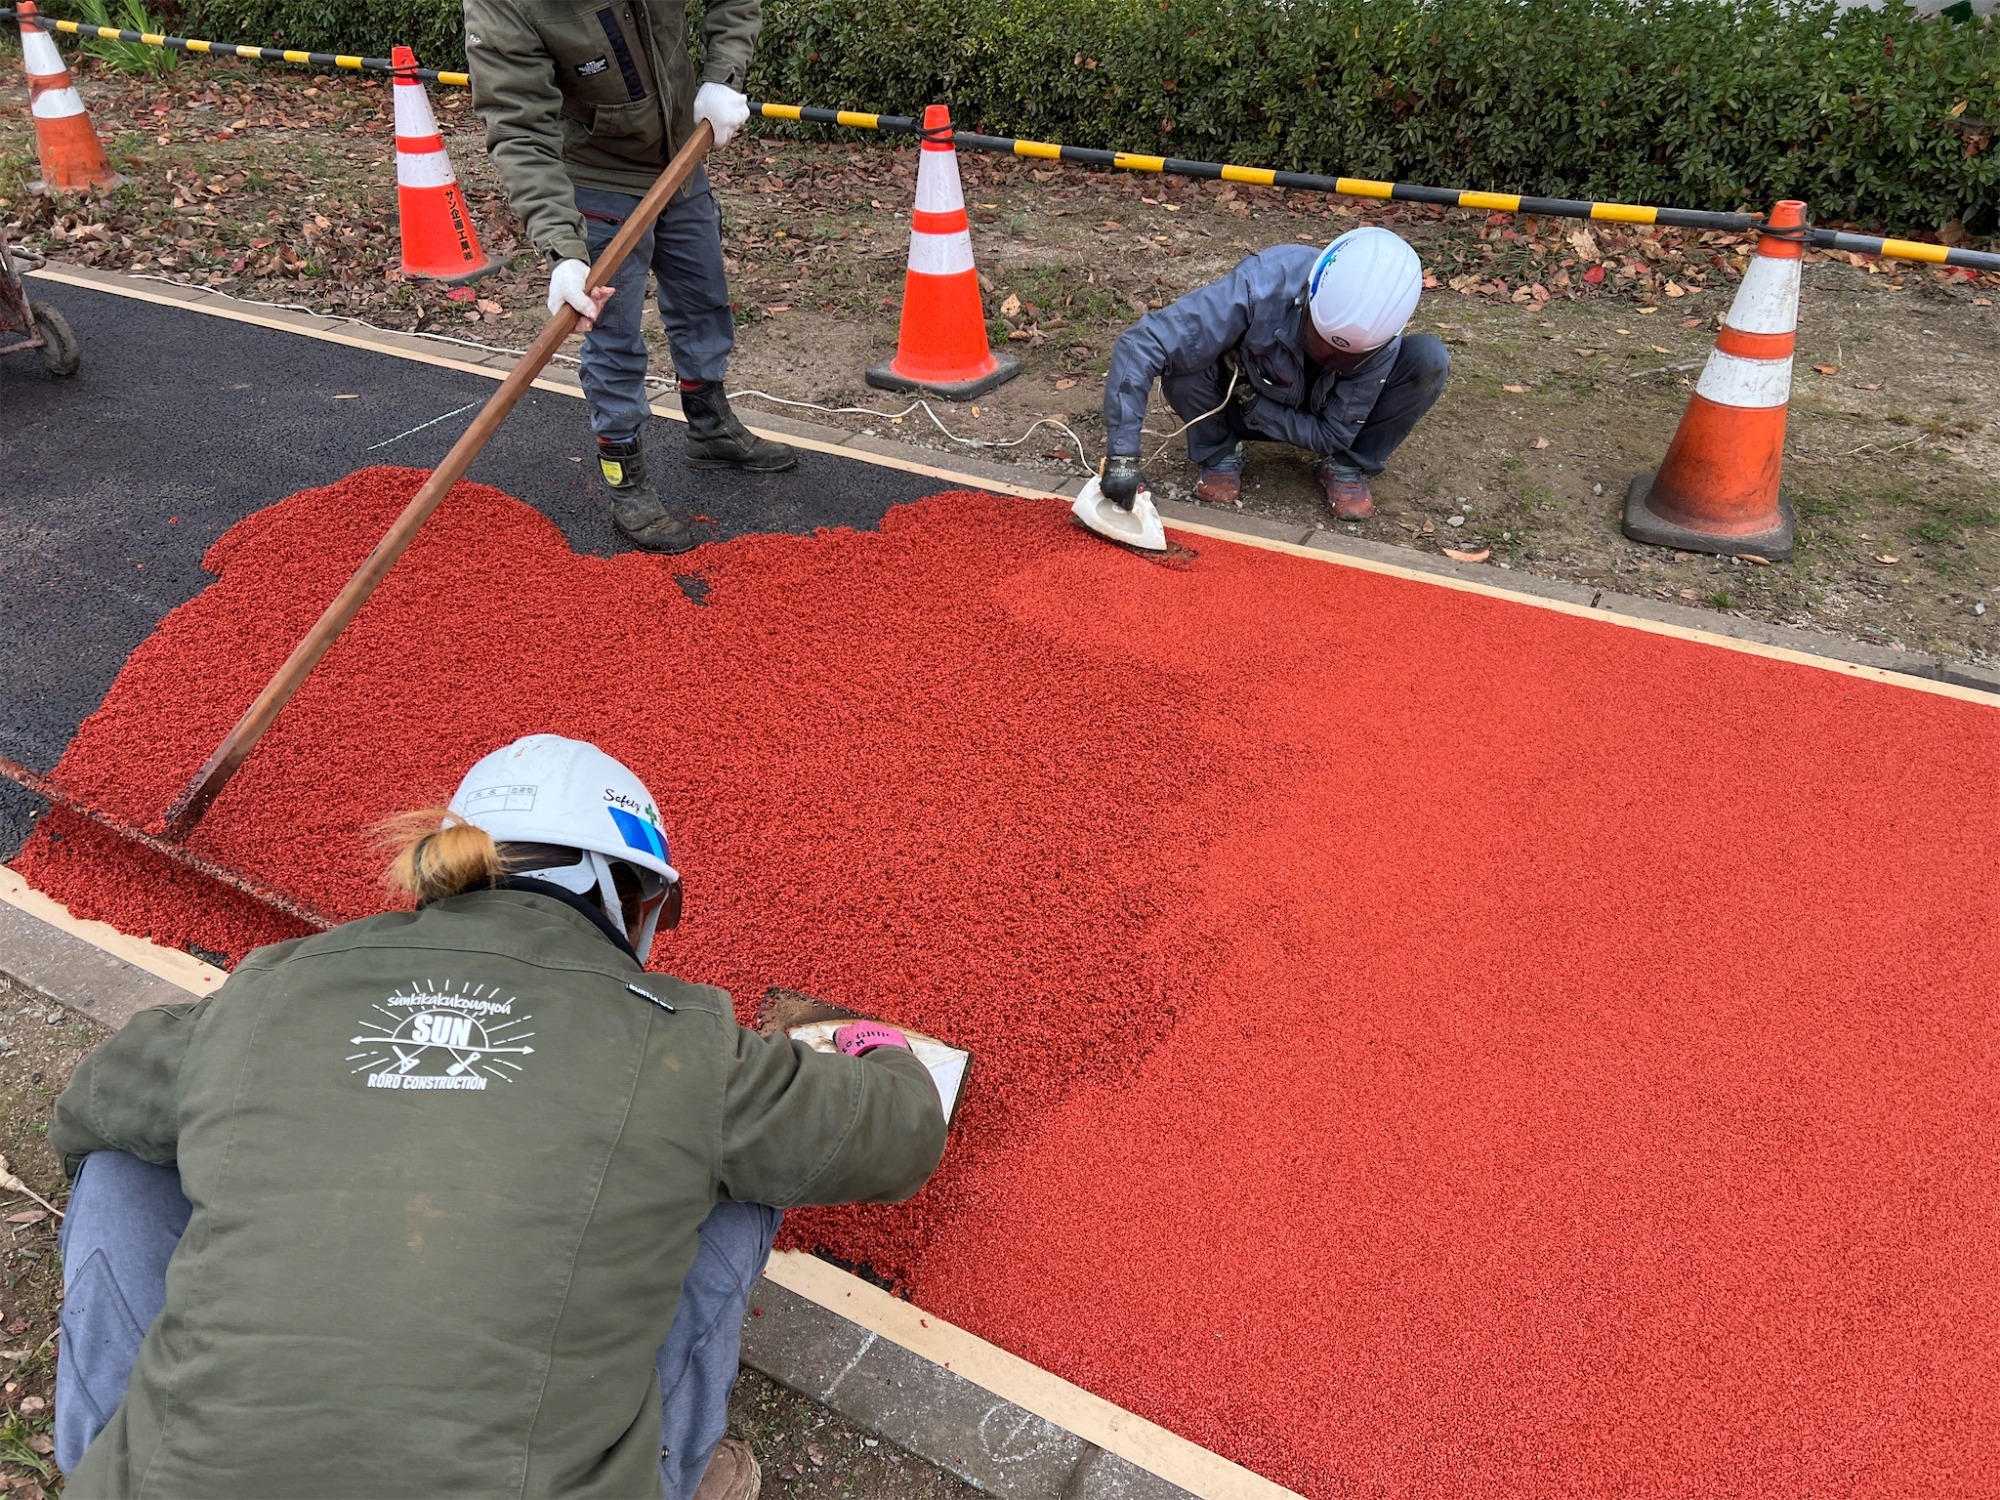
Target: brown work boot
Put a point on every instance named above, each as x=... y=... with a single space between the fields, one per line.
x=1346 y=491
x=717 y=438
x=732 y=1473
x=1221 y=483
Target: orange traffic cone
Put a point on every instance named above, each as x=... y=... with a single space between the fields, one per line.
x=439 y=241
x=72 y=155
x=942 y=347
x=1717 y=488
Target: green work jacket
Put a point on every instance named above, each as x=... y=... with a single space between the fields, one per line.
x=592 y=93
x=447 y=1168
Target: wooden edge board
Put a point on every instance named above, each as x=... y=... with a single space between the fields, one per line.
x=122 y=286
x=1139 y=1442
x=1885 y=675
x=170 y=964
x=1144 y=1444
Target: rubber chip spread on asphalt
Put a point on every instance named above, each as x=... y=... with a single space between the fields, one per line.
x=1426 y=1044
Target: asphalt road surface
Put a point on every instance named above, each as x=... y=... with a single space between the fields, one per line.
x=114 y=483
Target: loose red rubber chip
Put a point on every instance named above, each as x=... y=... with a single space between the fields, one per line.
x=1427 y=1045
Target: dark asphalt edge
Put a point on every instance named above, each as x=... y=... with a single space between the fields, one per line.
x=1027 y=482
x=970 y=1429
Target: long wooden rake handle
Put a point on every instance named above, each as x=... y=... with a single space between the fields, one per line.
x=236 y=746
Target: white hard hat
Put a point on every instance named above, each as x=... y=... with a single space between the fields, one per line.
x=567 y=795
x=1363 y=288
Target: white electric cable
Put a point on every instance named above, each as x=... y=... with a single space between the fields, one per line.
x=663 y=383
x=925 y=407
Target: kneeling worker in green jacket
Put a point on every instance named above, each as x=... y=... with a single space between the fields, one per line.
x=457 y=1201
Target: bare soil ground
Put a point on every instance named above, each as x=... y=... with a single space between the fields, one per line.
x=1575 y=348
x=805 y=1451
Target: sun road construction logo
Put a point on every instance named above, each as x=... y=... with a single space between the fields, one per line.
x=449 y=1038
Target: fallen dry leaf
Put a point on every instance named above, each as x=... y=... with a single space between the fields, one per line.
x=1642 y=311
x=1674 y=289
x=1622 y=330
x=1875 y=386
x=1011 y=308
x=1659 y=349
x=1886 y=557
x=1539 y=443
x=1519 y=390
x=1584 y=353
x=1982 y=301
x=31 y=1216
x=488 y=305
x=1751 y=557
x=1064 y=384
x=1827 y=369
x=1691 y=322
x=1457 y=556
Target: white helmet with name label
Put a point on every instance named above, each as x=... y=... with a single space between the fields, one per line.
x=565 y=812
x=1363 y=288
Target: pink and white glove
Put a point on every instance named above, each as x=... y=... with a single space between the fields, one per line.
x=858 y=1037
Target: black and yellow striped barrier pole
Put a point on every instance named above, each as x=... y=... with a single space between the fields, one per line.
x=1398 y=192
x=343 y=60
x=1130 y=161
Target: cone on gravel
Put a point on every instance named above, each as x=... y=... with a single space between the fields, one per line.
x=72 y=156
x=1717 y=490
x=439 y=240
x=942 y=348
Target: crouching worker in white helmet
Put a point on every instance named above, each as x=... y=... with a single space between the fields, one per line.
x=456 y=1201
x=1293 y=346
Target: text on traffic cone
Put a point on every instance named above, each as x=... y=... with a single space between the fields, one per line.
x=439 y=240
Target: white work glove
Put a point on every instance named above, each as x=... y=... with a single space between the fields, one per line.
x=566 y=285
x=722 y=107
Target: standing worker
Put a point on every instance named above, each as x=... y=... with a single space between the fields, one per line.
x=583 y=106
x=1293 y=346
x=457 y=1201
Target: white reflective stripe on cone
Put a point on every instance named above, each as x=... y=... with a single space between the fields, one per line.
x=38 y=51
x=1732 y=380
x=938 y=191
x=941 y=254
x=423 y=169
x=58 y=104
x=413 y=111
x=1768 y=300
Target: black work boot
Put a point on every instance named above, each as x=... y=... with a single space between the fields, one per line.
x=635 y=505
x=718 y=440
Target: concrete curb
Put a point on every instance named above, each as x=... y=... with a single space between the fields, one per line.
x=878 y=1363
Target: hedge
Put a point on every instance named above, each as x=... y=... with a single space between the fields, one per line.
x=1879 y=116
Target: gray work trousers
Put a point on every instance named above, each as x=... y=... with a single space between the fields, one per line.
x=1415 y=382
x=125 y=1217
x=683 y=251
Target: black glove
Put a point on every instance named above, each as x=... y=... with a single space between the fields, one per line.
x=1242 y=389
x=1122 y=479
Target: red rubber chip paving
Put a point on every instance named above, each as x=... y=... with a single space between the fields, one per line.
x=1427 y=1045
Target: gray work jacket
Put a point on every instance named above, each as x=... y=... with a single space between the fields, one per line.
x=1255 y=313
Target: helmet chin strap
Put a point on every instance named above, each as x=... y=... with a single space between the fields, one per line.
x=591 y=877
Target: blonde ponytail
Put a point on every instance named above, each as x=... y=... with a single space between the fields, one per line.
x=439 y=854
